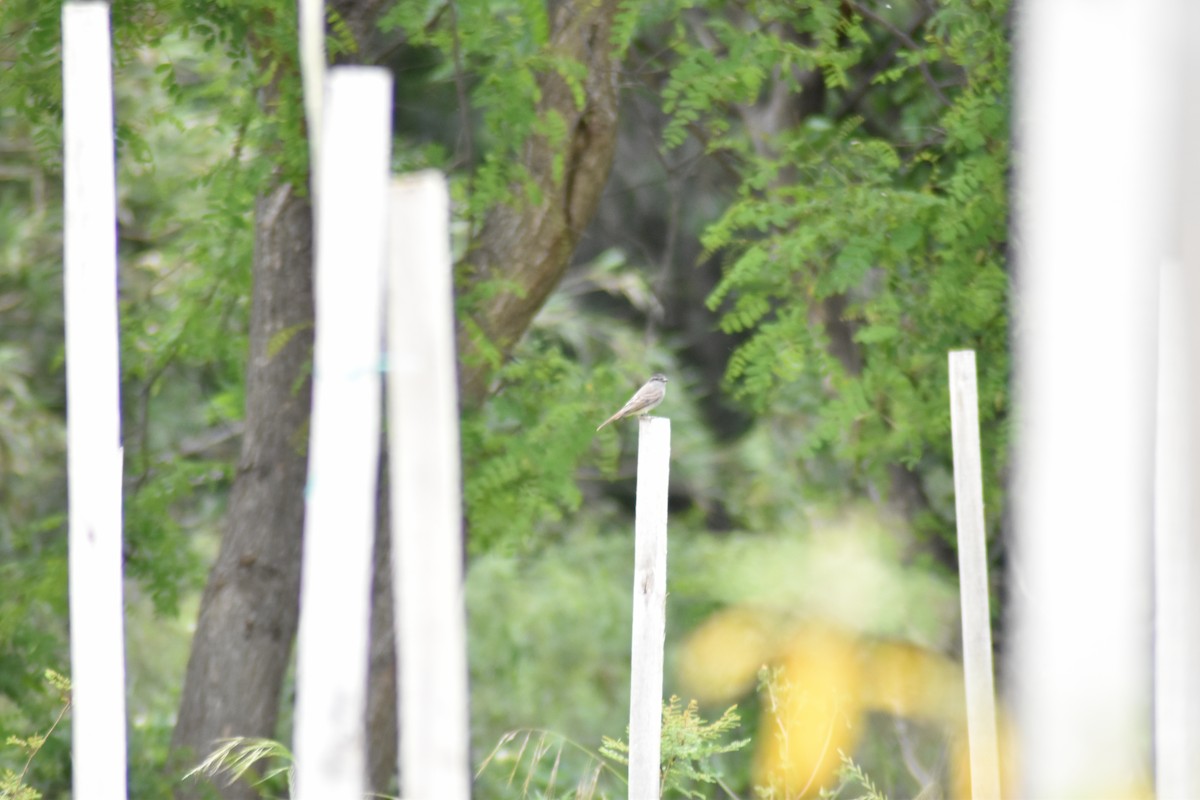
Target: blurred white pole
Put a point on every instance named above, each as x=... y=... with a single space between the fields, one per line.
x=312 y=71
x=426 y=494
x=94 y=460
x=973 y=577
x=1176 y=662
x=1091 y=216
x=649 y=606
x=343 y=457
x=1177 y=513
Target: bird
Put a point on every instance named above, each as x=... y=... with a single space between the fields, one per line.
x=643 y=401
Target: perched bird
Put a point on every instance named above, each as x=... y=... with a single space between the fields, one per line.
x=643 y=401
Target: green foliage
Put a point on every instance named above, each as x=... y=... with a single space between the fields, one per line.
x=688 y=746
x=186 y=253
x=12 y=788
x=33 y=563
x=493 y=51
x=13 y=785
x=850 y=776
x=525 y=447
x=549 y=651
x=31 y=94
x=549 y=635
x=856 y=258
x=189 y=129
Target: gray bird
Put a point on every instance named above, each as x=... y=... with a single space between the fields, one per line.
x=643 y=401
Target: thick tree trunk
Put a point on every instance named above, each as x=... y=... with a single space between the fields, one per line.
x=249 y=610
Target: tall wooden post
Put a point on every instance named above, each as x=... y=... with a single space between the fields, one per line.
x=427 y=554
x=94 y=455
x=1177 y=466
x=339 y=524
x=649 y=607
x=1089 y=236
x=973 y=578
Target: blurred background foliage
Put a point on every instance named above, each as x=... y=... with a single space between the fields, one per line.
x=807 y=209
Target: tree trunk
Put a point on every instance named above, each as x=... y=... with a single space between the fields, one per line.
x=249 y=610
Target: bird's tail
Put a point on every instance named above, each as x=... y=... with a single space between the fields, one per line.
x=613 y=418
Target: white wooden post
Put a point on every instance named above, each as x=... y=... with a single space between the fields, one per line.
x=94 y=457
x=973 y=577
x=426 y=494
x=1177 y=466
x=1176 y=656
x=649 y=607
x=312 y=71
x=339 y=525
x=1089 y=237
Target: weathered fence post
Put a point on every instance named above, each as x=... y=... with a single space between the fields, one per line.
x=973 y=577
x=339 y=524
x=1088 y=246
x=649 y=607
x=94 y=457
x=426 y=494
